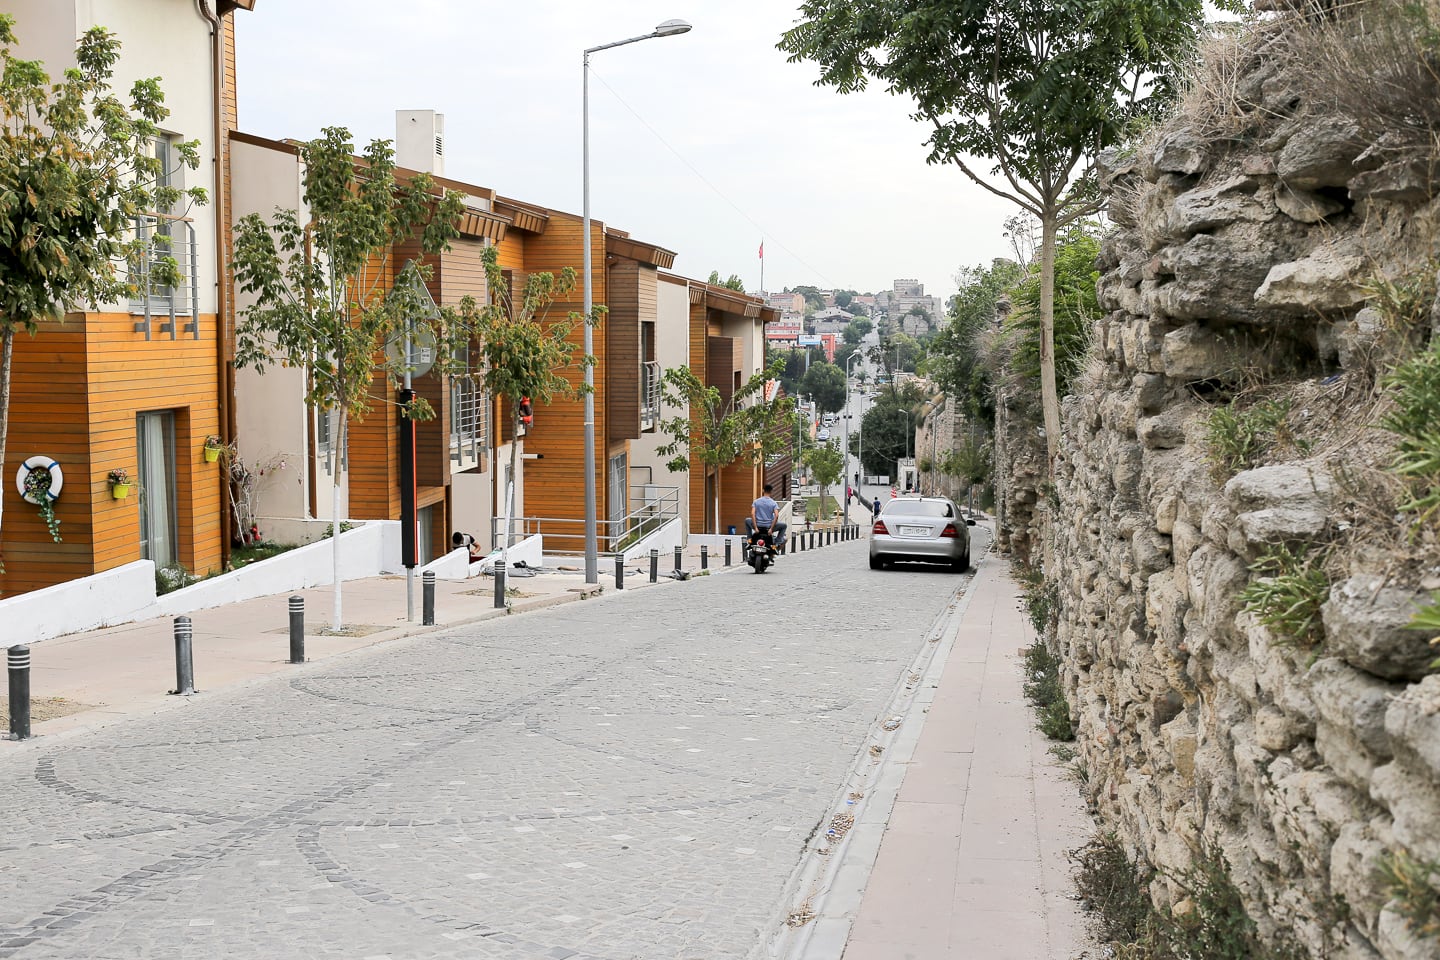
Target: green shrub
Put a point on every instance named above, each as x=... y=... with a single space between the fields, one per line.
x=1287 y=597
x=1415 y=420
x=1045 y=691
x=1237 y=438
x=1414 y=887
x=1428 y=618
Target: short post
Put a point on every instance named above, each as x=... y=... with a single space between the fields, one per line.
x=19 y=657
x=499 y=584
x=619 y=571
x=727 y=551
x=829 y=536
x=798 y=539
x=654 y=564
x=427 y=598
x=704 y=556
x=297 y=629
x=184 y=657
x=679 y=559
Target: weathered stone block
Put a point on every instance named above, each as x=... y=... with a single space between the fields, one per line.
x=1304 y=206
x=1320 y=153
x=1413 y=723
x=1324 y=283
x=1238 y=198
x=1365 y=624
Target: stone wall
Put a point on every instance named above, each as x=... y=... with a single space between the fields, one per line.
x=1238 y=263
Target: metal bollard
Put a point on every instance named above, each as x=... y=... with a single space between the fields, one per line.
x=727 y=551
x=679 y=559
x=654 y=564
x=19 y=658
x=619 y=571
x=184 y=657
x=297 y=629
x=704 y=556
x=427 y=599
x=499 y=584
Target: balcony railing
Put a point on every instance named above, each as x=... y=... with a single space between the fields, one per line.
x=650 y=395
x=469 y=422
x=651 y=507
x=169 y=247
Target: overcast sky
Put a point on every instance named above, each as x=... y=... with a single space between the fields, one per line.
x=837 y=185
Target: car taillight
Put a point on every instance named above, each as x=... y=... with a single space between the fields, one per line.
x=879 y=528
x=949 y=531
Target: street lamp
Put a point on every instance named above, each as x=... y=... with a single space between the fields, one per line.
x=845 y=457
x=669 y=28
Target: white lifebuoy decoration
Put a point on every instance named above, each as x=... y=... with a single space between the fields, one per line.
x=57 y=477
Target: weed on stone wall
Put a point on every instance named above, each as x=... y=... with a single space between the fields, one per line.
x=1291 y=587
x=1414 y=888
x=1043 y=688
x=1415 y=420
x=1237 y=437
x=1209 y=922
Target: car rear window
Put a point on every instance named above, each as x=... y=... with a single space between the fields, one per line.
x=919 y=508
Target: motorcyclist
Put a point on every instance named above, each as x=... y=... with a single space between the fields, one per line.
x=763 y=514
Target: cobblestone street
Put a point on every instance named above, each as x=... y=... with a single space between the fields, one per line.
x=634 y=776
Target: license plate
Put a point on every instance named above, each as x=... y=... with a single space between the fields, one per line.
x=914 y=531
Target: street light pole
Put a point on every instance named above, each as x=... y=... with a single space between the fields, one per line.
x=669 y=28
x=845 y=457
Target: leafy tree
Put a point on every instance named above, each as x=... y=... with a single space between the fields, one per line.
x=319 y=300
x=843 y=298
x=75 y=166
x=889 y=435
x=792 y=366
x=1076 y=310
x=524 y=351
x=825 y=464
x=712 y=432
x=1035 y=88
x=955 y=355
x=862 y=325
x=813 y=298
x=825 y=383
x=732 y=282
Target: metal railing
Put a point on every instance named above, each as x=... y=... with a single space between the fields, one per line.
x=650 y=395
x=651 y=507
x=469 y=421
x=166 y=238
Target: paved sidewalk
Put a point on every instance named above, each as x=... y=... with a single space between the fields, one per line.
x=973 y=860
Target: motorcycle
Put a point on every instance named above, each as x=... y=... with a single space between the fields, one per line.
x=759 y=553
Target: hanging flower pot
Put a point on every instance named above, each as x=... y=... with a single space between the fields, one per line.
x=120 y=483
x=211 y=454
x=212 y=448
x=39 y=481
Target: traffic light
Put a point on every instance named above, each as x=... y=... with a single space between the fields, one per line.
x=527 y=413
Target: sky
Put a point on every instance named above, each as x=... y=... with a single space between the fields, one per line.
x=704 y=143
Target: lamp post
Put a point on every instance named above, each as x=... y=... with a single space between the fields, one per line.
x=845 y=457
x=669 y=28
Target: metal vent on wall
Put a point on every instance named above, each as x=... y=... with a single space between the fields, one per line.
x=439 y=146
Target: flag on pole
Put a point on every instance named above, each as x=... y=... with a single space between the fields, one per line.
x=762 y=249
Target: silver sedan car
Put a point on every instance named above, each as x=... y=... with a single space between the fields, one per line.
x=930 y=529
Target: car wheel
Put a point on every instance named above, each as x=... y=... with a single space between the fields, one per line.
x=876 y=564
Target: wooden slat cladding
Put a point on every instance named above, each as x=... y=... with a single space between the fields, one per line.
x=462 y=273
x=76 y=390
x=699 y=341
x=622 y=346
x=374 y=464
x=721 y=365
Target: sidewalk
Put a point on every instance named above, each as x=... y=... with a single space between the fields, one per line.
x=973 y=858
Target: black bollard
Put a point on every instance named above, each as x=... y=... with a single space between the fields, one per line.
x=727 y=551
x=704 y=556
x=19 y=657
x=619 y=571
x=654 y=564
x=679 y=559
x=184 y=657
x=499 y=584
x=427 y=599
x=297 y=629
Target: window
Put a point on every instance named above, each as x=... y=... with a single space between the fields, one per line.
x=619 y=482
x=469 y=416
x=171 y=252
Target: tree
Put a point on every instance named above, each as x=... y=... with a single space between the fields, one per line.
x=732 y=282
x=1076 y=309
x=319 y=299
x=715 y=433
x=862 y=325
x=523 y=350
x=1037 y=88
x=955 y=355
x=825 y=383
x=843 y=298
x=825 y=465
x=75 y=167
x=887 y=430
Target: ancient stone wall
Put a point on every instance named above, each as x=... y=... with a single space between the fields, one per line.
x=1242 y=263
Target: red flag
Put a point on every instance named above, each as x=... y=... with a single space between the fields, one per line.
x=762 y=249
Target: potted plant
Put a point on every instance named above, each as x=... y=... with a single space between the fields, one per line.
x=40 y=480
x=212 y=449
x=120 y=483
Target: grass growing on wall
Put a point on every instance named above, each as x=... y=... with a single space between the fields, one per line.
x=1043 y=686
x=1287 y=597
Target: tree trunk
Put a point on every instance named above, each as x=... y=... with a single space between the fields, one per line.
x=342 y=437
x=719 y=474
x=7 y=347
x=509 y=492
x=1049 y=394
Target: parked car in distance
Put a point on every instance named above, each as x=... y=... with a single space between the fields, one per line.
x=928 y=529
x=823 y=435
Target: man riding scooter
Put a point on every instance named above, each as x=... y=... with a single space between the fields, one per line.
x=762 y=525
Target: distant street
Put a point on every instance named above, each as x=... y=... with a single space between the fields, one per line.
x=629 y=777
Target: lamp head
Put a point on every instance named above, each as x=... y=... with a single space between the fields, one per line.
x=671 y=28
